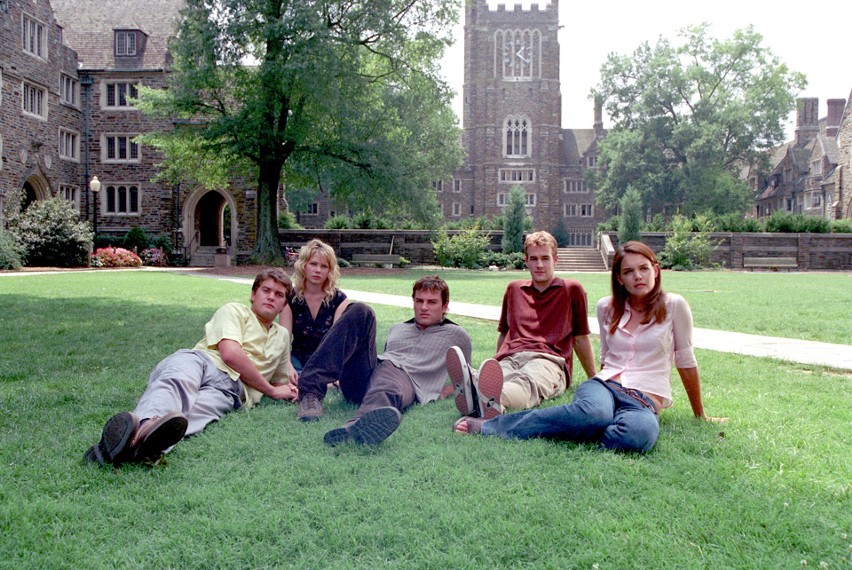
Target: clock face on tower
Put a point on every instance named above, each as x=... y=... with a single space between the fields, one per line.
x=517 y=56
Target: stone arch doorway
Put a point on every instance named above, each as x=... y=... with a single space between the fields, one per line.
x=35 y=188
x=210 y=219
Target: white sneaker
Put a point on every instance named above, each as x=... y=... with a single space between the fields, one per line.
x=459 y=373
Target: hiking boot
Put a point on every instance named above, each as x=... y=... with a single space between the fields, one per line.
x=459 y=373
x=375 y=426
x=117 y=434
x=310 y=408
x=337 y=436
x=155 y=436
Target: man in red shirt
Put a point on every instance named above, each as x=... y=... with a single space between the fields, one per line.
x=543 y=321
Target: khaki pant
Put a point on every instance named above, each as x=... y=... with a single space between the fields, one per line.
x=530 y=377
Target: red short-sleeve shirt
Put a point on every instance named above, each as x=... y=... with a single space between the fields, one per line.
x=543 y=321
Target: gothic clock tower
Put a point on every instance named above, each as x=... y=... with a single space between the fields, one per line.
x=511 y=112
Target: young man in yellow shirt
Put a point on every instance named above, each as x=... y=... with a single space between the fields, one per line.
x=243 y=356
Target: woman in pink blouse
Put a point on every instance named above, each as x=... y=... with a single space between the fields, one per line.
x=643 y=331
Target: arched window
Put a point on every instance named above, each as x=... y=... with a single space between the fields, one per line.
x=517 y=136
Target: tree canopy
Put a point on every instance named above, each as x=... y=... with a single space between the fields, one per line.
x=338 y=96
x=688 y=118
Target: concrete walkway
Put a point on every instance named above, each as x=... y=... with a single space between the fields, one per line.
x=791 y=350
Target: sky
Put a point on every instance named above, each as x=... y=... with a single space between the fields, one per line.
x=801 y=35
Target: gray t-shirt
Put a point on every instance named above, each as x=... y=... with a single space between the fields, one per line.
x=421 y=353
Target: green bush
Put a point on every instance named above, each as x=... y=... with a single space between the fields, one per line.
x=136 y=239
x=684 y=248
x=11 y=251
x=465 y=249
x=162 y=241
x=367 y=220
x=785 y=222
x=738 y=223
x=610 y=225
x=53 y=235
x=287 y=221
x=339 y=222
x=107 y=240
x=480 y=223
x=503 y=260
x=841 y=226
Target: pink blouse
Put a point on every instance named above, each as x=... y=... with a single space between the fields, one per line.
x=644 y=358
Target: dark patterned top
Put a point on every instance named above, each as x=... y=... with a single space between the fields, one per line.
x=307 y=331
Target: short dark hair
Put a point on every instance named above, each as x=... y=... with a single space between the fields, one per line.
x=276 y=274
x=432 y=283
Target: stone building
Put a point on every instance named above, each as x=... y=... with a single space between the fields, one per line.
x=122 y=45
x=68 y=73
x=512 y=125
x=803 y=175
x=840 y=202
x=41 y=135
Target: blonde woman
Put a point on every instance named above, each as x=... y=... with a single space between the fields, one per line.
x=334 y=340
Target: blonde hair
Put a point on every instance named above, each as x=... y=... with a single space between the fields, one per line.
x=539 y=239
x=308 y=250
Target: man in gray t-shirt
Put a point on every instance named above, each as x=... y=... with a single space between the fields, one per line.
x=411 y=369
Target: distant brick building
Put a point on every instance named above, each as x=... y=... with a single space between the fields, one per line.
x=68 y=78
x=805 y=173
x=41 y=136
x=841 y=198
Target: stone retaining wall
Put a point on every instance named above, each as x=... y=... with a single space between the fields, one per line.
x=814 y=252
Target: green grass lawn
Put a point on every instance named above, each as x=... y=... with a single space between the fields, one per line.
x=768 y=489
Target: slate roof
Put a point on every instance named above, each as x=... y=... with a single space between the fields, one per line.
x=88 y=27
x=575 y=143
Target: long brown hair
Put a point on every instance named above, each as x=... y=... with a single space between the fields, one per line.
x=653 y=304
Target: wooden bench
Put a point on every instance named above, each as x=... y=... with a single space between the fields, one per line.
x=770 y=263
x=375 y=259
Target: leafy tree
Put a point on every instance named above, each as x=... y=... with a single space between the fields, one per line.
x=513 y=224
x=688 y=117
x=344 y=96
x=630 y=223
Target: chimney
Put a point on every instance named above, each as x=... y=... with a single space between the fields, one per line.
x=835 y=115
x=807 y=120
x=598 y=126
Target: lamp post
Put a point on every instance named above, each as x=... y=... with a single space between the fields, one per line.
x=95 y=187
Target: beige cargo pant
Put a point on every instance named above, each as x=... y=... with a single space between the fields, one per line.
x=530 y=377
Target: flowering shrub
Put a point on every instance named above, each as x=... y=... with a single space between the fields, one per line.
x=51 y=234
x=115 y=257
x=154 y=256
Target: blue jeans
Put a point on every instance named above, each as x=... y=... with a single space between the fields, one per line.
x=601 y=412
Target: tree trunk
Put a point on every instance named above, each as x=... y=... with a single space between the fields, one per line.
x=267 y=249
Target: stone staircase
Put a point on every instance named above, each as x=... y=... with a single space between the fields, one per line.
x=580 y=259
x=203 y=256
